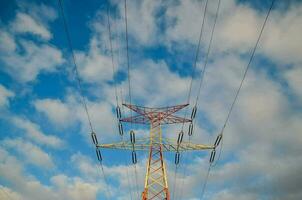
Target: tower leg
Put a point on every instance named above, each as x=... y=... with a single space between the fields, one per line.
x=156 y=185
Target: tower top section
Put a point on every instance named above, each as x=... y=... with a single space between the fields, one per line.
x=162 y=115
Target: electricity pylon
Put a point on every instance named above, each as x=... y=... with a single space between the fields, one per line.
x=156 y=183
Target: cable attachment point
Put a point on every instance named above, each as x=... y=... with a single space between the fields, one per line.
x=193 y=114
x=190 y=132
x=177 y=156
x=134 y=159
x=180 y=137
x=218 y=140
x=213 y=154
x=120 y=128
x=98 y=154
x=94 y=138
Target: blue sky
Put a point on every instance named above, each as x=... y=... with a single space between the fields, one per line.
x=45 y=148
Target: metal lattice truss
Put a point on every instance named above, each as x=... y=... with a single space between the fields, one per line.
x=147 y=115
x=156 y=183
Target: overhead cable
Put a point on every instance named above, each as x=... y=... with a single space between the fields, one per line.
x=237 y=93
x=118 y=111
x=129 y=80
x=208 y=52
x=189 y=95
x=79 y=84
x=191 y=130
x=112 y=56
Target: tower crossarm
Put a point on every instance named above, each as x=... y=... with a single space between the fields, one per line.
x=171 y=145
x=172 y=119
x=137 y=119
x=144 y=110
x=141 y=119
x=168 y=145
x=146 y=115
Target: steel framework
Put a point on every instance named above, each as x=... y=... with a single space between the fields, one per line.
x=156 y=183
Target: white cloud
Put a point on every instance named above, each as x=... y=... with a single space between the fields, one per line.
x=294 y=79
x=74 y=188
x=156 y=84
x=84 y=165
x=144 y=27
x=33 y=19
x=8 y=194
x=185 y=19
x=13 y=171
x=24 y=59
x=5 y=95
x=281 y=39
x=227 y=195
x=30 y=153
x=56 y=110
x=34 y=132
x=40 y=12
x=95 y=66
x=24 y=23
x=36 y=59
x=237 y=28
x=7 y=42
x=61 y=186
x=73 y=113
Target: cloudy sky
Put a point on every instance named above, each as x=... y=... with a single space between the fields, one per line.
x=45 y=147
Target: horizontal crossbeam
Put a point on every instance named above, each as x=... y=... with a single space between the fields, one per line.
x=141 y=119
x=168 y=145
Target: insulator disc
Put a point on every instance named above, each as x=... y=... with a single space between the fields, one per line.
x=218 y=140
x=177 y=155
x=132 y=137
x=193 y=113
x=180 y=137
x=134 y=160
x=99 y=155
x=213 y=153
x=94 y=138
x=190 y=132
x=118 y=112
x=120 y=129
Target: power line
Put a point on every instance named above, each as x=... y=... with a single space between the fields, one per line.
x=191 y=83
x=238 y=91
x=115 y=87
x=197 y=50
x=203 y=73
x=175 y=179
x=248 y=66
x=112 y=56
x=77 y=76
x=205 y=182
x=127 y=52
x=83 y=100
x=129 y=81
x=208 y=52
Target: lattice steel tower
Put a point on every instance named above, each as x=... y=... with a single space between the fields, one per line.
x=156 y=183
